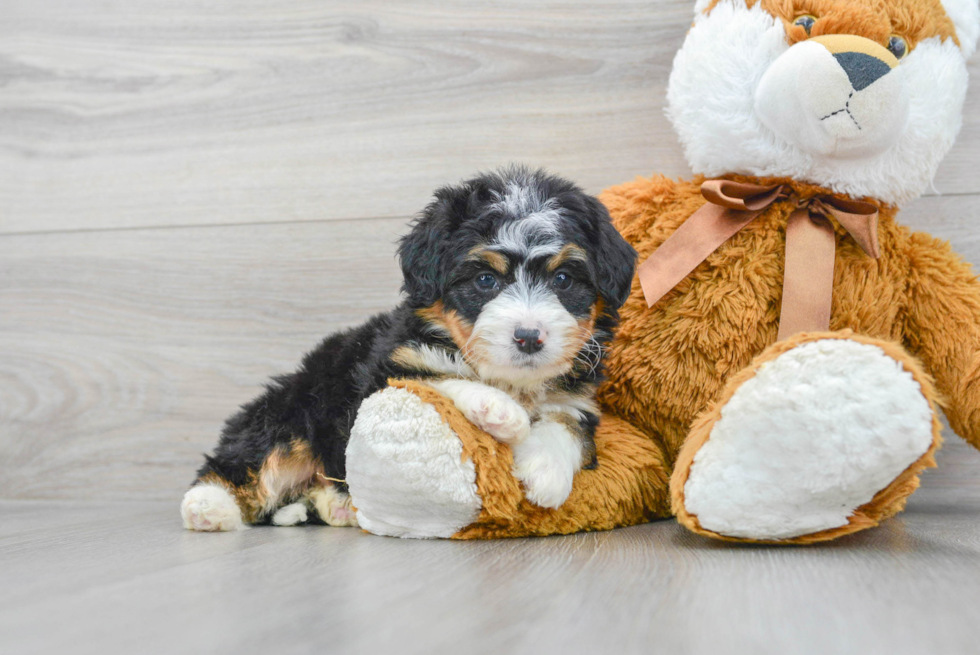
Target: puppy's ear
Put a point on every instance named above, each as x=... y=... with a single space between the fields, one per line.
x=615 y=259
x=421 y=251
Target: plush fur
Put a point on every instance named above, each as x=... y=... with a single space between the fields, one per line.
x=396 y=418
x=512 y=283
x=755 y=477
x=716 y=88
x=965 y=15
x=628 y=486
x=801 y=520
x=679 y=372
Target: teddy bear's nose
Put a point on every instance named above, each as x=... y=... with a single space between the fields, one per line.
x=862 y=59
x=862 y=70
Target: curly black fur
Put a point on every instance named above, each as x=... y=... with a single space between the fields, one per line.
x=318 y=403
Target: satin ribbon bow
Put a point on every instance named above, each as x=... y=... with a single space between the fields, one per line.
x=808 y=280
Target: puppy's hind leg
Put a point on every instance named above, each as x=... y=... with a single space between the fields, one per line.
x=292 y=514
x=328 y=503
x=332 y=505
x=276 y=490
x=210 y=506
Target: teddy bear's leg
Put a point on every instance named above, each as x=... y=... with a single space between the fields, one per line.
x=824 y=434
x=406 y=471
x=416 y=467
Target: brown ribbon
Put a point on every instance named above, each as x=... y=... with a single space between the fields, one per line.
x=810 y=246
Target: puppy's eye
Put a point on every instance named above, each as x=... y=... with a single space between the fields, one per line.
x=898 y=46
x=806 y=22
x=562 y=281
x=486 y=282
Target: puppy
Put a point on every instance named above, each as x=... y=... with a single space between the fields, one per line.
x=512 y=282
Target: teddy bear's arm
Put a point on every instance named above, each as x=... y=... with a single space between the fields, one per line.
x=943 y=329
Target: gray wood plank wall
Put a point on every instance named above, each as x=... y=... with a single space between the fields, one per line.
x=192 y=194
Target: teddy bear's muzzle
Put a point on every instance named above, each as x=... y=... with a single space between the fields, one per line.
x=835 y=96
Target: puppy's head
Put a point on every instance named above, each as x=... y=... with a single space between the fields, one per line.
x=522 y=270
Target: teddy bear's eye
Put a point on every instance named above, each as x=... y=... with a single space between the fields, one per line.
x=898 y=46
x=806 y=22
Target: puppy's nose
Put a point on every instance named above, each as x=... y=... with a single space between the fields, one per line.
x=528 y=341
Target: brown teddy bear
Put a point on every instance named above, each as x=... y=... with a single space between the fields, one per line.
x=777 y=369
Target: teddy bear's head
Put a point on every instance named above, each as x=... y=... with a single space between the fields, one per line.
x=864 y=97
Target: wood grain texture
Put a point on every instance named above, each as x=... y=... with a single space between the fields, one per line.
x=122 y=351
x=144 y=113
x=305 y=133
x=117 y=577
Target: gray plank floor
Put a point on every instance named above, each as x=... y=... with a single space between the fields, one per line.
x=117 y=577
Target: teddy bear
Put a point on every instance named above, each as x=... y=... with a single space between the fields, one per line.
x=779 y=362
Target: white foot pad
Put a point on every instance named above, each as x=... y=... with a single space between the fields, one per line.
x=210 y=508
x=405 y=469
x=815 y=434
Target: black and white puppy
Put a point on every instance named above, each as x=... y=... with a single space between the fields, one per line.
x=513 y=282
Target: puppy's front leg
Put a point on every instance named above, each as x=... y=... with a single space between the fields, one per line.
x=546 y=462
x=490 y=409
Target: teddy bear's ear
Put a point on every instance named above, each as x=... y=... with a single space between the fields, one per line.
x=701 y=6
x=421 y=251
x=615 y=259
x=965 y=15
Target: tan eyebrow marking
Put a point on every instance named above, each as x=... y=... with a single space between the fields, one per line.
x=495 y=260
x=569 y=251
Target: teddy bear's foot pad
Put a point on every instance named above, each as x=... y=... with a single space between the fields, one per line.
x=813 y=435
x=405 y=469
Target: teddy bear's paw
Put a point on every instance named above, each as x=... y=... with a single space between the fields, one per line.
x=210 y=508
x=405 y=469
x=813 y=435
x=546 y=463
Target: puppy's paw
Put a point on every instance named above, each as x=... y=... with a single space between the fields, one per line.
x=497 y=414
x=210 y=508
x=333 y=507
x=546 y=464
x=488 y=408
x=547 y=482
x=288 y=515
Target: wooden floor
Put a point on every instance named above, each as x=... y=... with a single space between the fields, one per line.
x=193 y=194
x=103 y=577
